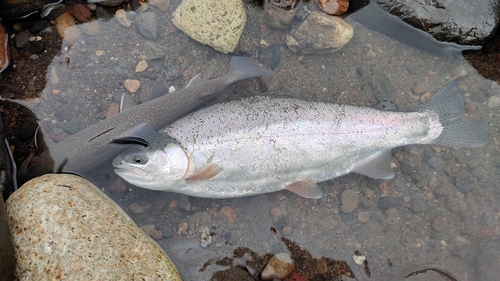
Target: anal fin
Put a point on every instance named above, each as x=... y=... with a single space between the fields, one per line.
x=305 y=188
x=209 y=172
x=377 y=166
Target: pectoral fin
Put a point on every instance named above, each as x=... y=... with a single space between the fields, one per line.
x=141 y=134
x=377 y=166
x=209 y=172
x=306 y=188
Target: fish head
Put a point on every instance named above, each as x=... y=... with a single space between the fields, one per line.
x=150 y=168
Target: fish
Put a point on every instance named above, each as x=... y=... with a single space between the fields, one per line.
x=90 y=147
x=266 y=144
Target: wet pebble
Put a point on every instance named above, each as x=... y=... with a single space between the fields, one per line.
x=104 y=14
x=131 y=85
x=386 y=202
x=494 y=101
x=280 y=266
x=36 y=47
x=141 y=66
x=184 y=202
x=122 y=18
x=439 y=224
x=227 y=215
x=419 y=88
x=147 y=24
x=406 y=169
x=206 y=237
x=333 y=7
x=53 y=11
x=80 y=12
x=363 y=217
x=200 y=219
x=135 y=208
x=163 y=5
x=287 y=230
x=321 y=265
x=90 y=28
x=371 y=229
x=66 y=28
x=22 y=39
x=417 y=206
x=349 y=201
x=436 y=163
x=479 y=173
x=454 y=204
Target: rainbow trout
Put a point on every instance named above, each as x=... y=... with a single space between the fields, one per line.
x=263 y=144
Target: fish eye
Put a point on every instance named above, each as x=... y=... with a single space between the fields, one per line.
x=139 y=159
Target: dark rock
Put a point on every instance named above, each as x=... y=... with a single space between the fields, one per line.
x=386 y=202
x=271 y=55
x=457 y=21
x=80 y=12
x=22 y=39
x=436 y=163
x=64 y=113
x=39 y=25
x=36 y=47
x=148 y=75
x=52 y=12
x=406 y=169
x=74 y=126
x=147 y=24
x=103 y=13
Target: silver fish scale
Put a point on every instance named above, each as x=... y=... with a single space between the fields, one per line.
x=263 y=144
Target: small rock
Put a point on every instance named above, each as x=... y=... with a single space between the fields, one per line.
x=39 y=25
x=333 y=7
x=36 y=47
x=425 y=97
x=321 y=265
x=386 y=202
x=439 y=224
x=80 y=12
x=90 y=28
x=363 y=217
x=276 y=213
x=319 y=34
x=298 y=277
x=66 y=28
x=287 y=230
x=163 y=5
x=419 y=88
x=53 y=11
x=349 y=201
x=217 y=23
x=184 y=202
x=122 y=18
x=436 y=163
x=183 y=228
x=417 y=206
x=280 y=266
x=227 y=214
x=22 y=39
x=206 y=237
x=494 y=101
x=359 y=260
x=147 y=24
x=90 y=237
x=200 y=219
x=148 y=228
x=156 y=234
x=131 y=85
x=141 y=66
x=135 y=208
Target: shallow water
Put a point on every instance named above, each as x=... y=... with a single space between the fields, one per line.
x=464 y=192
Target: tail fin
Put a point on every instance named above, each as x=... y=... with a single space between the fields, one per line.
x=246 y=68
x=459 y=130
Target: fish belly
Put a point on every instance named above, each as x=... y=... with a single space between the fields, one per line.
x=263 y=144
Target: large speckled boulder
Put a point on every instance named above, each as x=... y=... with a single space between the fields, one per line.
x=217 y=23
x=64 y=228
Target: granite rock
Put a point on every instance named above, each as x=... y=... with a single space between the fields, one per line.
x=64 y=227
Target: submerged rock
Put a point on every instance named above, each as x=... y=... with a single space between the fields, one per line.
x=459 y=21
x=217 y=23
x=319 y=34
x=63 y=227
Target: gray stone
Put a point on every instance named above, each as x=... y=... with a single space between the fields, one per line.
x=386 y=202
x=22 y=39
x=436 y=163
x=349 y=201
x=72 y=229
x=217 y=23
x=371 y=229
x=417 y=206
x=147 y=24
x=458 y=21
